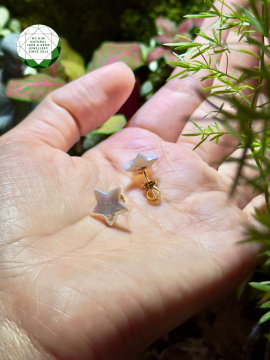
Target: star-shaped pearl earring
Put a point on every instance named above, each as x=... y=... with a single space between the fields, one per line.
x=109 y=205
x=140 y=165
x=140 y=162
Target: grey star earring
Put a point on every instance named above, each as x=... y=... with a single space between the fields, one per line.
x=109 y=205
x=140 y=165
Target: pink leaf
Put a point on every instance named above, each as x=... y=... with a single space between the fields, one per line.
x=156 y=53
x=55 y=70
x=109 y=53
x=161 y=39
x=185 y=26
x=166 y=27
x=33 y=88
x=67 y=53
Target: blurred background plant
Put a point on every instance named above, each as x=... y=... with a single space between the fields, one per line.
x=8 y=25
x=147 y=60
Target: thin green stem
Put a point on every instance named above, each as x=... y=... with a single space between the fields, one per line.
x=221 y=18
x=262 y=174
x=262 y=69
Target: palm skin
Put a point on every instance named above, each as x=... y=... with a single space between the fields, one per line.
x=71 y=286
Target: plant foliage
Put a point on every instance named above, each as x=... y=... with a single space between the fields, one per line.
x=251 y=26
x=8 y=25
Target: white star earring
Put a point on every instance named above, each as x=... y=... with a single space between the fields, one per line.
x=140 y=165
x=109 y=205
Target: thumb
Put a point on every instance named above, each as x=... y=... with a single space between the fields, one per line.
x=77 y=108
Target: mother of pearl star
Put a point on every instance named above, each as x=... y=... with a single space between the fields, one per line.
x=109 y=205
x=140 y=162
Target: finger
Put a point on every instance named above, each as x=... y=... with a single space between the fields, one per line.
x=77 y=108
x=209 y=151
x=257 y=203
x=168 y=110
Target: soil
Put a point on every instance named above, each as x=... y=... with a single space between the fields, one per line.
x=227 y=330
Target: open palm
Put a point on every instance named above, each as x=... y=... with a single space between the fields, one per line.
x=71 y=286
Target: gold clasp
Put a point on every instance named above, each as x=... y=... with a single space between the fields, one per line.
x=150 y=187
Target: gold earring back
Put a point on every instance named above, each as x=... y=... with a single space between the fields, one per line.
x=150 y=187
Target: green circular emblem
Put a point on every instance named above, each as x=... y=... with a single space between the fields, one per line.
x=38 y=46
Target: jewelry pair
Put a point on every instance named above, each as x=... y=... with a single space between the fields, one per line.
x=111 y=204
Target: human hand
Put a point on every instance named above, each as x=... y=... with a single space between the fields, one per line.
x=73 y=287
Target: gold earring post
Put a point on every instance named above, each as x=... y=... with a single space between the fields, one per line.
x=150 y=187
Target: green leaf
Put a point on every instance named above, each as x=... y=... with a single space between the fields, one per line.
x=176 y=75
x=228 y=26
x=211 y=25
x=215 y=35
x=5 y=32
x=263 y=286
x=216 y=124
x=267 y=253
x=257 y=182
x=252 y=19
x=200 y=52
x=203 y=140
x=180 y=64
x=73 y=69
x=4 y=16
x=262 y=218
x=266 y=17
x=203 y=35
x=183 y=37
x=189 y=74
x=109 y=53
x=67 y=53
x=211 y=5
x=209 y=59
x=114 y=124
x=146 y=88
x=221 y=92
x=184 y=45
x=247 y=32
x=266 y=305
x=14 y=25
x=197 y=126
x=33 y=88
x=199 y=62
x=216 y=61
x=232 y=131
x=224 y=4
x=200 y=16
x=187 y=46
x=250 y=53
x=216 y=137
x=265 y=317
